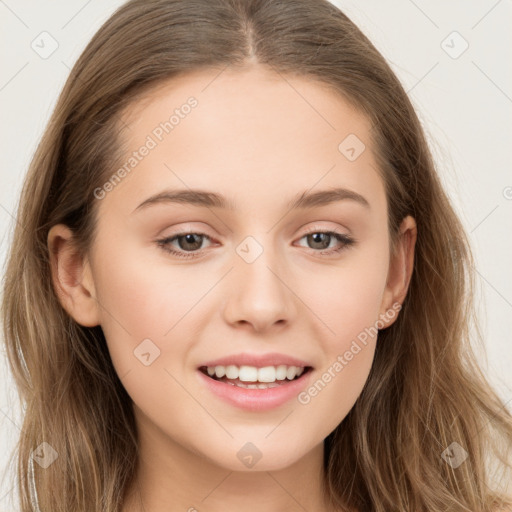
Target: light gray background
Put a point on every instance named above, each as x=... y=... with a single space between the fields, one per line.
x=465 y=105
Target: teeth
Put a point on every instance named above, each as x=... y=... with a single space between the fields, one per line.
x=244 y=373
x=231 y=372
x=267 y=374
x=281 y=372
x=253 y=386
x=220 y=371
x=291 y=372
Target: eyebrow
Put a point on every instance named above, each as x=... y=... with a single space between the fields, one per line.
x=212 y=200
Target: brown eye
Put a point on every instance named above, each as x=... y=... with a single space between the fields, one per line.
x=188 y=244
x=321 y=240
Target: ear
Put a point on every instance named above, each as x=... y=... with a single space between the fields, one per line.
x=72 y=277
x=400 y=270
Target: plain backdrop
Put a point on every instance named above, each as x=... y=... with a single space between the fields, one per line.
x=453 y=59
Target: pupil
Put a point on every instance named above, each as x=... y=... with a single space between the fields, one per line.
x=323 y=245
x=189 y=239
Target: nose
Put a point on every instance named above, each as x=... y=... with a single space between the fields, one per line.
x=258 y=294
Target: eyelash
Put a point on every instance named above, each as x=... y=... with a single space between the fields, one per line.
x=163 y=243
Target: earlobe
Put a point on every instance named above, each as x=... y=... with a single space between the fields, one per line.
x=400 y=269
x=71 y=277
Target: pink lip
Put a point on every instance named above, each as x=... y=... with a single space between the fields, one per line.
x=256 y=399
x=260 y=361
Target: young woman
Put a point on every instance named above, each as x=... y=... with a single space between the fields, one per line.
x=236 y=282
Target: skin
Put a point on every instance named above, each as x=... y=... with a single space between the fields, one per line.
x=258 y=141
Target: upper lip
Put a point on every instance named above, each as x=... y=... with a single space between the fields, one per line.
x=258 y=360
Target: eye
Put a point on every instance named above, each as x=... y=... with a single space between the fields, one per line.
x=322 y=240
x=189 y=243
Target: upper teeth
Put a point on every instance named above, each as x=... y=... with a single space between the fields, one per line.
x=253 y=374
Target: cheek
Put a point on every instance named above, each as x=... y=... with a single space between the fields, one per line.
x=347 y=298
x=145 y=322
x=348 y=346
x=147 y=299
x=143 y=307
x=336 y=387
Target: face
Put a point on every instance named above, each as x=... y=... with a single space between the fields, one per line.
x=182 y=284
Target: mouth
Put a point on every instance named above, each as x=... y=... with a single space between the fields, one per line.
x=255 y=388
x=251 y=377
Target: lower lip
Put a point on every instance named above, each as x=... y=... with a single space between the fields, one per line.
x=256 y=399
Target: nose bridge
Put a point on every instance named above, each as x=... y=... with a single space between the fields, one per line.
x=258 y=294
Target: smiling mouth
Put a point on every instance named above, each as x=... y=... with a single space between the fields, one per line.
x=255 y=384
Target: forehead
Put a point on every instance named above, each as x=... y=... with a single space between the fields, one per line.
x=252 y=132
x=254 y=99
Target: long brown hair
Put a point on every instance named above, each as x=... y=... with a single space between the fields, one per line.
x=425 y=390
